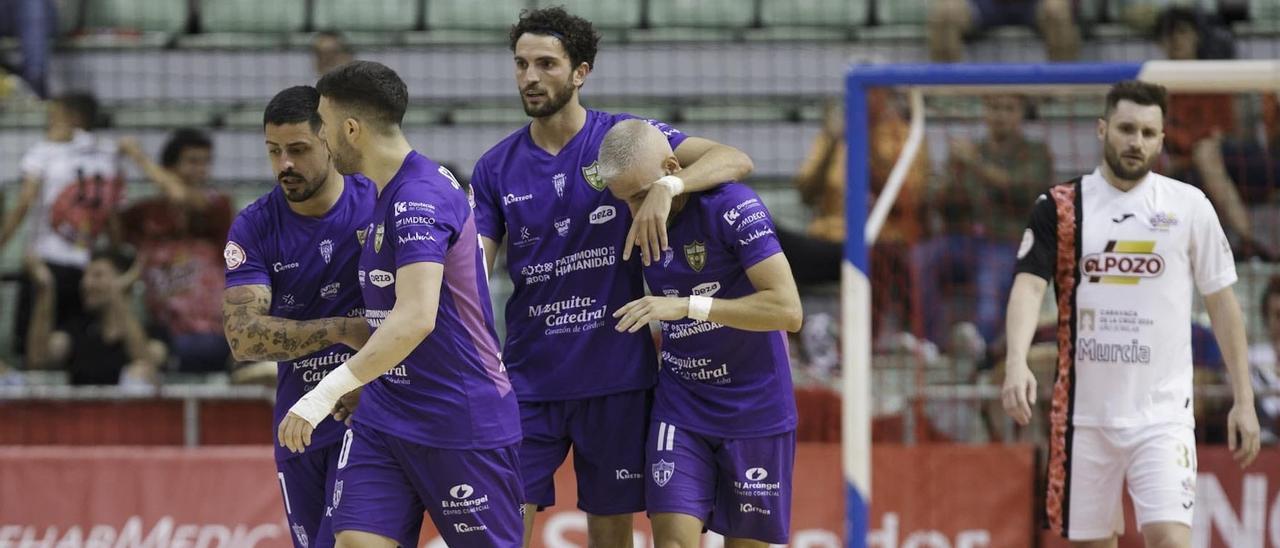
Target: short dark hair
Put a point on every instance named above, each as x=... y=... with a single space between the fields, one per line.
x=1272 y=290
x=576 y=34
x=371 y=88
x=1142 y=93
x=1172 y=17
x=181 y=140
x=338 y=37
x=120 y=259
x=294 y=105
x=82 y=105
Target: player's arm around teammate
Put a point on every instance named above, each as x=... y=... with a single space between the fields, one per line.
x=410 y=321
x=709 y=163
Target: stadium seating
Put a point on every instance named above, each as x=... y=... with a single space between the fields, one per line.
x=253 y=15
x=141 y=15
x=471 y=15
x=367 y=15
x=603 y=14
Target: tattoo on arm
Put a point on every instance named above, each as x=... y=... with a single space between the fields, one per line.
x=254 y=334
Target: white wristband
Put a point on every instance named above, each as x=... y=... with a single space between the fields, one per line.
x=699 y=307
x=316 y=404
x=672 y=183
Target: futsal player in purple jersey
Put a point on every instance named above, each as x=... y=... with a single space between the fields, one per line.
x=437 y=427
x=291 y=293
x=568 y=247
x=722 y=438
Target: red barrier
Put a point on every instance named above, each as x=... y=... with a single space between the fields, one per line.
x=925 y=496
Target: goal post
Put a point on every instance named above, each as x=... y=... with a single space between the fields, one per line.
x=864 y=221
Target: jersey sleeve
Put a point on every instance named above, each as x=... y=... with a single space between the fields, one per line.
x=745 y=226
x=1212 y=263
x=490 y=221
x=247 y=262
x=424 y=220
x=1038 y=252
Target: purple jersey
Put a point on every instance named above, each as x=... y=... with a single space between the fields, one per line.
x=717 y=380
x=565 y=235
x=310 y=265
x=452 y=392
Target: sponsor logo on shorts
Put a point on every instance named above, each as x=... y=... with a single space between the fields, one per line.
x=468 y=528
x=337 y=492
x=461 y=491
x=756 y=486
x=662 y=471
x=624 y=474
x=464 y=501
x=748 y=508
x=731 y=216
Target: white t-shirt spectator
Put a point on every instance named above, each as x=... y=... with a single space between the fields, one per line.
x=82 y=183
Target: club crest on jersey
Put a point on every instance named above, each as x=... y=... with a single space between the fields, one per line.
x=378 y=233
x=696 y=255
x=326 y=251
x=360 y=235
x=592 y=174
x=559 y=180
x=1123 y=262
x=662 y=471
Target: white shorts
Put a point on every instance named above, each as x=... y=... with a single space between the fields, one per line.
x=1158 y=462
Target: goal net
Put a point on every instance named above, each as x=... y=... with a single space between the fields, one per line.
x=944 y=163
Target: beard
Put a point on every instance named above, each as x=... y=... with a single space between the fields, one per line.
x=346 y=159
x=1116 y=162
x=303 y=193
x=552 y=104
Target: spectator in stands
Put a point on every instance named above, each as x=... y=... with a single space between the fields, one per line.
x=330 y=49
x=816 y=254
x=179 y=234
x=106 y=345
x=978 y=214
x=950 y=21
x=35 y=24
x=1264 y=359
x=1206 y=146
x=71 y=184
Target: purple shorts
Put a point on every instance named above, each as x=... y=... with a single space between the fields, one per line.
x=607 y=434
x=385 y=483
x=306 y=483
x=738 y=487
